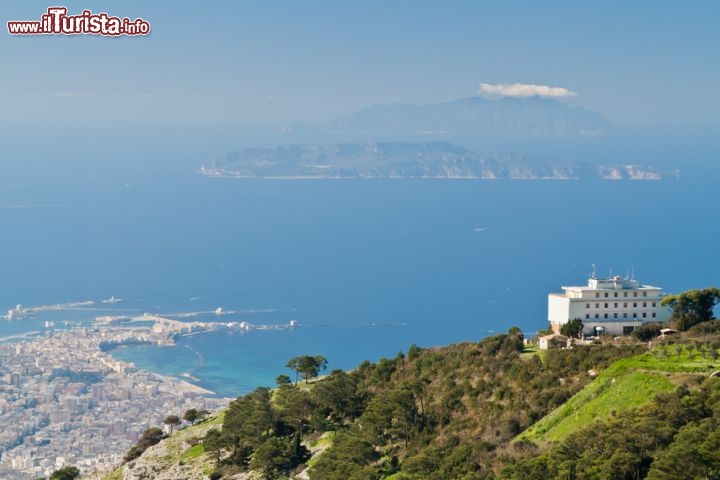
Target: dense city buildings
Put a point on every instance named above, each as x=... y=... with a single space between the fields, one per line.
x=64 y=401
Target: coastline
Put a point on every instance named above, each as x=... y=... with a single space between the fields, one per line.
x=76 y=387
x=183 y=386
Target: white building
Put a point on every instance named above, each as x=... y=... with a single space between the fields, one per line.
x=615 y=305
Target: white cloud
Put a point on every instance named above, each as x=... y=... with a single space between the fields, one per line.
x=524 y=90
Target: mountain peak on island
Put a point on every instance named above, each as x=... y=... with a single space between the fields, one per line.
x=476 y=116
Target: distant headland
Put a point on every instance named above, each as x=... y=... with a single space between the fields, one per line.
x=429 y=160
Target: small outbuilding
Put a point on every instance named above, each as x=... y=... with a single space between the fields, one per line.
x=666 y=332
x=553 y=341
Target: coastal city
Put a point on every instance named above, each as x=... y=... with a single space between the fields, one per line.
x=66 y=401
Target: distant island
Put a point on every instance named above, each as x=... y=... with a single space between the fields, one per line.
x=440 y=160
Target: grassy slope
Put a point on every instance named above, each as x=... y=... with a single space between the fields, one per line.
x=319 y=446
x=115 y=475
x=626 y=384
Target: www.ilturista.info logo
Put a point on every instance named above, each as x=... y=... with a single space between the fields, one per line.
x=57 y=22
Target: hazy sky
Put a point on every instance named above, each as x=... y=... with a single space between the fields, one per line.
x=650 y=63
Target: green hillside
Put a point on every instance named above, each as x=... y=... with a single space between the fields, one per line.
x=450 y=410
x=626 y=384
x=473 y=411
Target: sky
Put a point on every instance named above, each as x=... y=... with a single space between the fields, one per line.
x=228 y=64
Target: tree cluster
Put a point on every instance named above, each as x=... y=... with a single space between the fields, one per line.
x=573 y=328
x=692 y=307
x=308 y=366
x=192 y=415
x=150 y=437
x=65 y=473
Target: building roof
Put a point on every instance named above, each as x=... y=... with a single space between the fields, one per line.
x=611 y=283
x=554 y=336
x=586 y=287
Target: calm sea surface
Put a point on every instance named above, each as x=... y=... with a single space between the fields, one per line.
x=365 y=267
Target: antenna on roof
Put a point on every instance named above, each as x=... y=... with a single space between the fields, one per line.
x=610 y=276
x=593 y=275
x=627 y=274
x=633 y=273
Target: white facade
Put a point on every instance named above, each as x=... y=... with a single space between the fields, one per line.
x=614 y=305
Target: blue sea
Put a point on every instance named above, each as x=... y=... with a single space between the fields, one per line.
x=366 y=268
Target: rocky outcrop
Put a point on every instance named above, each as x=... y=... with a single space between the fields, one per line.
x=174 y=458
x=180 y=457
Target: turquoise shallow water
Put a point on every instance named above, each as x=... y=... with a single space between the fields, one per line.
x=219 y=361
x=366 y=267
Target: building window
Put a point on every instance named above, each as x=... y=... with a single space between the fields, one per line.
x=606 y=315
x=597 y=316
x=615 y=305
x=625 y=305
x=653 y=314
x=606 y=305
x=634 y=315
x=614 y=315
x=597 y=305
x=653 y=304
x=624 y=294
x=625 y=315
x=634 y=294
x=587 y=315
x=587 y=305
x=597 y=294
x=606 y=294
x=634 y=304
x=615 y=294
x=644 y=294
x=644 y=315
